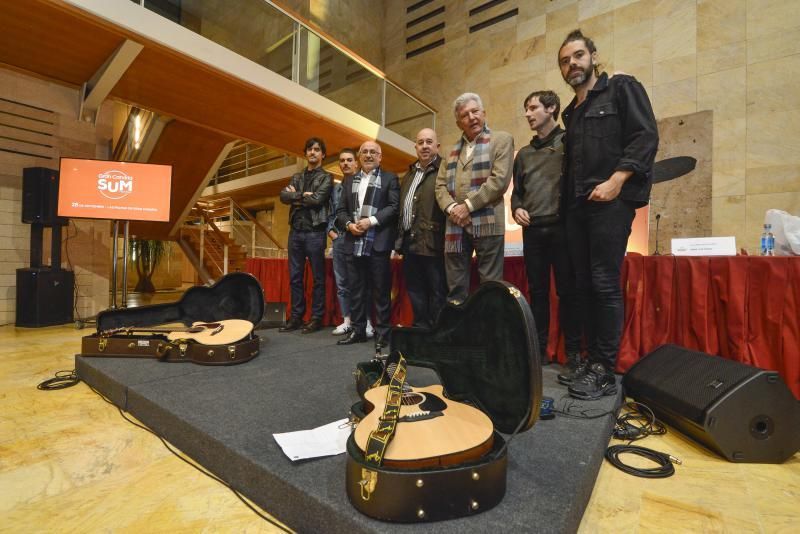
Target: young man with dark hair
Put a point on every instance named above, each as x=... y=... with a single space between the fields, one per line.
x=611 y=143
x=308 y=194
x=348 y=164
x=536 y=205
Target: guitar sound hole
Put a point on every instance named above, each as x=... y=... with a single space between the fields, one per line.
x=410 y=399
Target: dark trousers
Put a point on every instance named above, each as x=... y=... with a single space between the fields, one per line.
x=489 y=251
x=545 y=248
x=363 y=272
x=426 y=286
x=597 y=238
x=309 y=245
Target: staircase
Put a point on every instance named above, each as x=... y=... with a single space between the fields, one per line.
x=219 y=236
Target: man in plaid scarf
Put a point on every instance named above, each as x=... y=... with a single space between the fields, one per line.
x=368 y=214
x=469 y=189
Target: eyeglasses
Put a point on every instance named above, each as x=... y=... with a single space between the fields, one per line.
x=370 y=152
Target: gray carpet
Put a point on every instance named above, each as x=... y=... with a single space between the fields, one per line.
x=224 y=418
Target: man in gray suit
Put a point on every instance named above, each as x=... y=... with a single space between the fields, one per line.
x=469 y=189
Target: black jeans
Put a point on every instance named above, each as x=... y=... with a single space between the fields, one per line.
x=426 y=286
x=545 y=247
x=309 y=245
x=597 y=238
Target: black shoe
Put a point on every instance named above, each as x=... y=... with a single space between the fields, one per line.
x=380 y=343
x=597 y=383
x=575 y=370
x=353 y=337
x=293 y=324
x=312 y=326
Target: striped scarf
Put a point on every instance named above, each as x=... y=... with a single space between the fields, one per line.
x=483 y=220
x=363 y=244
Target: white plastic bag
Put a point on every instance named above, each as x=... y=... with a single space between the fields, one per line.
x=786 y=229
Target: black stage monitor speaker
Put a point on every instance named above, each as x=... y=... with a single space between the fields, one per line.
x=274 y=315
x=40 y=197
x=744 y=413
x=44 y=296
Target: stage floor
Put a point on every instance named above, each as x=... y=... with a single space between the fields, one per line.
x=224 y=418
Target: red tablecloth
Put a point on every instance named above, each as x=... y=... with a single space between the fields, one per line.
x=744 y=308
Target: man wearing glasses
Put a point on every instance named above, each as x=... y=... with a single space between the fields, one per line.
x=368 y=214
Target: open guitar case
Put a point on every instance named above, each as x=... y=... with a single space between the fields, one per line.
x=234 y=296
x=485 y=354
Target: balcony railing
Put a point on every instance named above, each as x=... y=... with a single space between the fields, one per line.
x=267 y=35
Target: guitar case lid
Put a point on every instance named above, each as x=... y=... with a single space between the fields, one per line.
x=485 y=352
x=234 y=296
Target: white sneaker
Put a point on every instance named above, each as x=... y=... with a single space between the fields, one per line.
x=342 y=329
x=370 y=330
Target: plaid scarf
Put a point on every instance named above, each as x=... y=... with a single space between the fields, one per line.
x=482 y=219
x=363 y=244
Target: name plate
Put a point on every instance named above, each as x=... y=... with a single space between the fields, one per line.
x=704 y=246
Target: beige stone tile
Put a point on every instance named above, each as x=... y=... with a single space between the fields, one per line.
x=722 y=58
x=772 y=85
x=765 y=17
x=676 y=98
x=533 y=27
x=723 y=92
x=559 y=24
x=674 y=30
x=557 y=5
x=772 y=138
x=674 y=69
x=720 y=22
x=591 y=8
x=728 y=217
x=729 y=157
x=601 y=30
x=774 y=46
x=774 y=179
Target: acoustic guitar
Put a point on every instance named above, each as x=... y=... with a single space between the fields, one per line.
x=432 y=430
x=224 y=332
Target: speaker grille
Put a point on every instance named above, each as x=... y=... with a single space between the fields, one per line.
x=688 y=381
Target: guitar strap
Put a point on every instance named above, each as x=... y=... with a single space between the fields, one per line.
x=380 y=438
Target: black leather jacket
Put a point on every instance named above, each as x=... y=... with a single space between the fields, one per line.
x=615 y=131
x=317 y=203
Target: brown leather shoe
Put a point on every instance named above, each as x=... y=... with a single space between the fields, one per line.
x=293 y=324
x=312 y=326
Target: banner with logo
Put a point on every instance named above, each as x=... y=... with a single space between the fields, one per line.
x=116 y=190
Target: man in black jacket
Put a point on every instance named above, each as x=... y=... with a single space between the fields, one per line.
x=421 y=232
x=536 y=206
x=308 y=194
x=368 y=215
x=611 y=143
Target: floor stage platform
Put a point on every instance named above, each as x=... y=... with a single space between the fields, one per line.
x=224 y=418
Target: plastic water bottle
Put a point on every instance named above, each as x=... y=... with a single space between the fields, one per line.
x=764 y=240
x=770 y=241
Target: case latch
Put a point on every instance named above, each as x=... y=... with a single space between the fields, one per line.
x=232 y=352
x=102 y=342
x=369 y=479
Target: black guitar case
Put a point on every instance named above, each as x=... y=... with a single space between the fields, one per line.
x=234 y=296
x=486 y=354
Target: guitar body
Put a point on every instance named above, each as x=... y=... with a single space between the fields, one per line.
x=431 y=431
x=216 y=333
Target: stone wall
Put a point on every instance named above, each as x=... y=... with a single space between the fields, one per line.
x=39 y=125
x=739 y=59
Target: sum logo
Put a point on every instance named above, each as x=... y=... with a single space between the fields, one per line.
x=114 y=184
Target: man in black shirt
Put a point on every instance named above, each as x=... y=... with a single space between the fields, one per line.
x=308 y=194
x=536 y=206
x=611 y=143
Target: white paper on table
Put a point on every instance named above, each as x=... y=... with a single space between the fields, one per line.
x=325 y=440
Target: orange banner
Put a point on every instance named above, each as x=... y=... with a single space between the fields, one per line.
x=115 y=190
